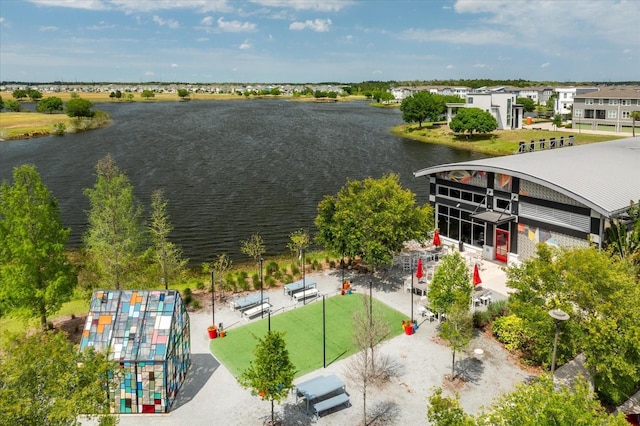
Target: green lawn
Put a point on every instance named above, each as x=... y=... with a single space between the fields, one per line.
x=303 y=327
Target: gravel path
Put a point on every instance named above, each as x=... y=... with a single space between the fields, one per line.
x=211 y=395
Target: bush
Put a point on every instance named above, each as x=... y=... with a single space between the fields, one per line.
x=270 y=281
x=195 y=304
x=498 y=309
x=277 y=275
x=316 y=265
x=200 y=285
x=272 y=267
x=255 y=278
x=287 y=279
x=510 y=331
x=59 y=129
x=481 y=319
x=332 y=264
x=295 y=270
x=187 y=291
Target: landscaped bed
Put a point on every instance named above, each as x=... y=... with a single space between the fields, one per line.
x=303 y=328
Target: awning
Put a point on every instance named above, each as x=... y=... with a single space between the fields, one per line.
x=493 y=217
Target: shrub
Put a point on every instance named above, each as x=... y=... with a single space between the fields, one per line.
x=270 y=281
x=195 y=304
x=332 y=264
x=316 y=265
x=59 y=129
x=287 y=279
x=277 y=275
x=498 y=309
x=255 y=278
x=295 y=270
x=481 y=319
x=187 y=291
x=200 y=285
x=272 y=267
x=510 y=331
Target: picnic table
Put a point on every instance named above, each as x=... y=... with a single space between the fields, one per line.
x=318 y=387
x=290 y=289
x=248 y=302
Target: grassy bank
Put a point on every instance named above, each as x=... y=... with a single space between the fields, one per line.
x=26 y=125
x=500 y=142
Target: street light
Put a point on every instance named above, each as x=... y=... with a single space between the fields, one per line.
x=304 y=282
x=412 y=291
x=261 y=290
x=213 y=299
x=559 y=316
x=370 y=303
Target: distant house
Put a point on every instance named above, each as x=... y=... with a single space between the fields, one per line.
x=146 y=332
x=564 y=101
x=607 y=109
x=502 y=106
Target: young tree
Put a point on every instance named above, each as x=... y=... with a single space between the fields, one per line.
x=253 y=247
x=635 y=115
x=458 y=331
x=148 y=94
x=114 y=237
x=422 y=106
x=557 y=121
x=183 y=93
x=49 y=105
x=220 y=266
x=78 y=107
x=168 y=256
x=36 y=277
x=270 y=374
x=372 y=219
x=299 y=240
x=527 y=103
x=473 y=120
x=451 y=286
x=45 y=380
x=445 y=411
x=12 y=105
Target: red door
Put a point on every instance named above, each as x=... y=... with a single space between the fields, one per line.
x=502 y=245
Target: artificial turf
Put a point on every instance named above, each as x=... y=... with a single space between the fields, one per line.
x=303 y=334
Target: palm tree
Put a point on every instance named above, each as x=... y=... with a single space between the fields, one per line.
x=635 y=115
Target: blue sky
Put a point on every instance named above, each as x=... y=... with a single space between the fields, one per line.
x=300 y=41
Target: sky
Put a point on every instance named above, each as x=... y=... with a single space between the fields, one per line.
x=313 y=41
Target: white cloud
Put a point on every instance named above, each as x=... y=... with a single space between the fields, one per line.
x=74 y=4
x=479 y=65
x=235 y=26
x=169 y=22
x=449 y=67
x=149 y=73
x=318 y=25
x=376 y=72
x=101 y=26
x=463 y=36
x=1 y=19
x=48 y=28
x=626 y=51
x=545 y=65
x=245 y=45
x=207 y=20
x=174 y=65
x=317 y=5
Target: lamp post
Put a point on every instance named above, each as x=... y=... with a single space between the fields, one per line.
x=261 y=290
x=559 y=316
x=412 y=291
x=213 y=299
x=342 y=263
x=370 y=303
x=304 y=281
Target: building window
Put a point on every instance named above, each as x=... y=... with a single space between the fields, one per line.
x=564 y=96
x=470 y=100
x=600 y=114
x=588 y=101
x=626 y=102
x=600 y=101
x=588 y=113
x=577 y=113
x=613 y=102
x=611 y=113
x=626 y=114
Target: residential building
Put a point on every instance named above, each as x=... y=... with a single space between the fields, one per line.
x=563 y=104
x=607 y=109
x=501 y=105
x=505 y=206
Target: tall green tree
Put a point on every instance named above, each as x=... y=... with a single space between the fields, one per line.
x=527 y=103
x=34 y=95
x=19 y=94
x=1 y=103
x=45 y=380
x=473 y=120
x=148 y=94
x=115 y=236
x=36 y=277
x=458 y=331
x=422 y=106
x=451 y=286
x=49 y=105
x=371 y=219
x=12 y=105
x=270 y=374
x=557 y=121
x=168 y=256
x=183 y=93
x=78 y=107
x=535 y=404
x=635 y=116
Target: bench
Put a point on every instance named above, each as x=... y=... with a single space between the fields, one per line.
x=312 y=292
x=425 y=312
x=252 y=312
x=330 y=403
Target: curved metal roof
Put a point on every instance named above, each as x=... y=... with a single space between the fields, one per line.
x=604 y=176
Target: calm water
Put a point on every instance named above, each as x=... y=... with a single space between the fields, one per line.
x=232 y=168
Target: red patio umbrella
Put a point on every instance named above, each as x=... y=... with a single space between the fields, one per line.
x=419 y=271
x=476 y=275
x=436 y=239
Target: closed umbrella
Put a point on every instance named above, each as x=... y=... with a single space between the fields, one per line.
x=476 y=275
x=436 y=239
x=419 y=271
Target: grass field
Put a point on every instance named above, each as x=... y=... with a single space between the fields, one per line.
x=303 y=328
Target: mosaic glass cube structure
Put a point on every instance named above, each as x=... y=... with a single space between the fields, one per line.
x=147 y=333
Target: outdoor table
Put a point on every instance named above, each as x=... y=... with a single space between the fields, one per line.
x=318 y=387
x=289 y=289
x=247 y=302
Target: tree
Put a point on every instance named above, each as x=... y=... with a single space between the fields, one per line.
x=167 y=255
x=623 y=237
x=253 y=247
x=527 y=103
x=270 y=374
x=45 y=380
x=19 y=94
x=34 y=95
x=538 y=403
x=372 y=219
x=49 y=105
x=386 y=97
x=458 y=331
x=12 y=105
x=79 y=107
x=36 y=277
x=220 y=266
x=557 y=121
x=183 y=93
x=1 y=104
x=473 y=120
x=635 y=115
x=422 y=106
x=147 y=94
x=300 y=240
x=451 y=286
x=115 y=235
x=600 y=293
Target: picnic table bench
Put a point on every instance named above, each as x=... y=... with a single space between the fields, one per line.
x=290 y=289
x=252 y=312
x=319 y=387
x=330 y=403
x=247 y=302
x=305 y=294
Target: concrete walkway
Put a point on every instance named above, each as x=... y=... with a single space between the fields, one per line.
x=211 y=395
